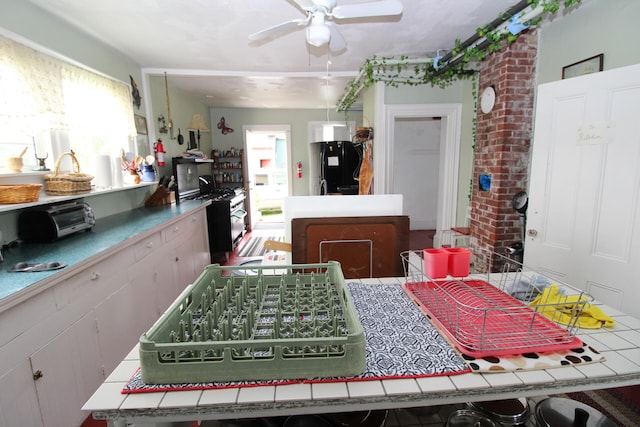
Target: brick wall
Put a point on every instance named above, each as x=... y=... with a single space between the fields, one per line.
x=502 y=143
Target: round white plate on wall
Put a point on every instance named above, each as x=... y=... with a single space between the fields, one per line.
x=487 y=99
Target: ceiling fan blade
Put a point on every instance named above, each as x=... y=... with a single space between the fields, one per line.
x=277 y=29
x=336 y=42
x=362 y=10
x=305 y=5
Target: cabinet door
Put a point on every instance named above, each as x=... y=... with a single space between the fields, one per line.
x=190 y=253
x=18 y=399
x=153 y=279
x=184 y=264
x=200 y=240
x=68 y=371
x=125 y=315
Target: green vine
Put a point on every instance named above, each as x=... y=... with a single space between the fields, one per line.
x=396 y=71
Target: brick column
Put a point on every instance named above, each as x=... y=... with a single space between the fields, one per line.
x=503 y=139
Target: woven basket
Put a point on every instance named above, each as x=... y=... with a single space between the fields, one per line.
x=64 y=184
x=19 y=193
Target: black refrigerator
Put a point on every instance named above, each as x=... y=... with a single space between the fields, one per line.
x=339 y=167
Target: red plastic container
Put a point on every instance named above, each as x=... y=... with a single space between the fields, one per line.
x=459 y=261
x=436 y=263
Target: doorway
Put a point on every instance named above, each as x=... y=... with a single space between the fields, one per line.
x=450 y=115
x=268 y=151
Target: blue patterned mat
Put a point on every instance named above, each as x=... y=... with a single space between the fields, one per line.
x=400 y=343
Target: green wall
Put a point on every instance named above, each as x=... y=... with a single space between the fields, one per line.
x=595 y=27
x=297 y=119
x=183 y=107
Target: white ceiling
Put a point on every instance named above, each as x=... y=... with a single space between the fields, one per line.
x=203 y=47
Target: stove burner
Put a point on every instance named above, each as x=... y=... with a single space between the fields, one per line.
x=217 y=194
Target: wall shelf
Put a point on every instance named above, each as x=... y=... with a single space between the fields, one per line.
x=228 y=167
x=44 y=199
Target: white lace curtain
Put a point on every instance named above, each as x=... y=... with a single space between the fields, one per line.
x=40 y=93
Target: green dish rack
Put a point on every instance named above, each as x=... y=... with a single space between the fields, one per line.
x=243 y=323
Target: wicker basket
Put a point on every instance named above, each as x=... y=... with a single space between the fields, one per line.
x=64 y=184
x=19 y=193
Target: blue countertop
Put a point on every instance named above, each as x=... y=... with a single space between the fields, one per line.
x=77 y=248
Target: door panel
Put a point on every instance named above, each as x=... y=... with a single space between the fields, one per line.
x=70 y=371
x=416 y=169
x=585 y=185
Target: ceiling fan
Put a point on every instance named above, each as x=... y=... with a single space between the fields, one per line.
x=319 y=13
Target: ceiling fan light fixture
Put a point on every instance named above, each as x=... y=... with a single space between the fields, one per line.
x=319 y=32
x=318 y=35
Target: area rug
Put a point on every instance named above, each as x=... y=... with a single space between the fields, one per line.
x=400 y=343
x=254 y=247
x=613 y=403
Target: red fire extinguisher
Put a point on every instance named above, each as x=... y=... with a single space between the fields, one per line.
x=299 y=169
x=158 y=150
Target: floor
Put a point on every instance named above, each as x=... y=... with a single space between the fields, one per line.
x=408 y=417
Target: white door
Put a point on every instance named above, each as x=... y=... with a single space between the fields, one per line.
x=416 y=169
x=583 y=222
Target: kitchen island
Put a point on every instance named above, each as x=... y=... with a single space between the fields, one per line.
x=620 y=345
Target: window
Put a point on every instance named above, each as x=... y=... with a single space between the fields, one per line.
x=51 y=106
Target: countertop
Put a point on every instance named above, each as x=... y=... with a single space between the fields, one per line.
x=77 y=248
x=620 y=345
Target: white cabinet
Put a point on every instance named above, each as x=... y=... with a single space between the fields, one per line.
x=189 y=254
x=18 y=399
x=66 y=370
x=58 y=346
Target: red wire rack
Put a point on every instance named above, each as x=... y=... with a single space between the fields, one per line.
x=481 y=319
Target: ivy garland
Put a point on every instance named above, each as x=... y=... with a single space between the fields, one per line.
x=395 y=71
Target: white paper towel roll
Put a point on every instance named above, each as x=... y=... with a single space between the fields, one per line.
x=117 y=172
x=103 y=172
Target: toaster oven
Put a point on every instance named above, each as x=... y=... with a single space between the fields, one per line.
x=49 y=223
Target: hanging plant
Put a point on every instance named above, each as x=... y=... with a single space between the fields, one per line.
x=396 y=71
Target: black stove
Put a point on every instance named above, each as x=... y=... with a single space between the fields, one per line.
x=215 y=197
x=208 y=190
x=220 y=194
x=213 y=194
x=225 y=215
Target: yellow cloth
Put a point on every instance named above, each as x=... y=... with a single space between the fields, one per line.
x=561 y=309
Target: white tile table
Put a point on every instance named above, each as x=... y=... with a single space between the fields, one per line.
x=620 y=346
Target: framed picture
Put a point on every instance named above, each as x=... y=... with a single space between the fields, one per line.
x=141 y=124
x=586 y=66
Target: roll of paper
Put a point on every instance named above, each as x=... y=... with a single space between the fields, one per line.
x=103 y=172
x=117 y=172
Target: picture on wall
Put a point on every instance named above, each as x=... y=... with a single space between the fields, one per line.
x=141 y=124
x=586 y=66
